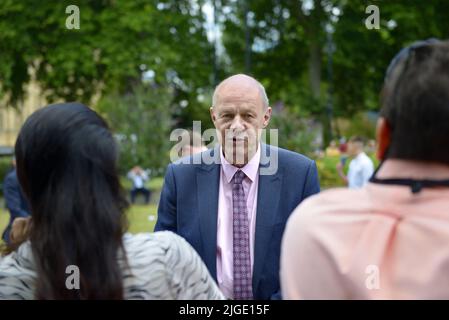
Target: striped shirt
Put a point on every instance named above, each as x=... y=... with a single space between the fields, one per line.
x=162 y=266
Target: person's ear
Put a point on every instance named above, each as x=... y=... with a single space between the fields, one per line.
x=212 y=114
x=267 y=117
x=383 y=136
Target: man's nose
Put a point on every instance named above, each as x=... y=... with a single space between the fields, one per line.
x=237 y=123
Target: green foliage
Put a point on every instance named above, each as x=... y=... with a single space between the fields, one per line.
x=142 y=124
x=282 y=43
x=358 y=125
x=293 y=132
x=117 y=42
x=328 y=174
x=288 y=48
x=362 y=55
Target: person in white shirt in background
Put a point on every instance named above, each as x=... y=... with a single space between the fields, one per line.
x=361 y=167
x=138 y=176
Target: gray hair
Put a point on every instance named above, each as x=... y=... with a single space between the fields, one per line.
x=263 y=94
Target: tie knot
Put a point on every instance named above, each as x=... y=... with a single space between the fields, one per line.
x=238 y=177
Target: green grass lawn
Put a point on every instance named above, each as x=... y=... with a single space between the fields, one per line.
x=4 y=218
x=141 y=218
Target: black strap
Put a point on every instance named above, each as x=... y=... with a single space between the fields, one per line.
x=415 y=185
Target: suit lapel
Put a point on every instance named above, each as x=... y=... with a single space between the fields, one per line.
x=207 y=179
x=269 y=189
x=268 y=197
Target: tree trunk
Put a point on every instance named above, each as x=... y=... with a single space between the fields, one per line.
x=315 y=69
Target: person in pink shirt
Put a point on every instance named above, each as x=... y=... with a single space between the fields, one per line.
x=390 y=239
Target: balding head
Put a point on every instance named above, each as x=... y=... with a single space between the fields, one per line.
x=240 y=83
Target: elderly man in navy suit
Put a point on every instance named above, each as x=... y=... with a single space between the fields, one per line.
x=231 y=203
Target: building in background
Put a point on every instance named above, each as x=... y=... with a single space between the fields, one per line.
x=11 y=119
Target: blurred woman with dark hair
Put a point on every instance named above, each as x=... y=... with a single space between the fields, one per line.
x=66 y=164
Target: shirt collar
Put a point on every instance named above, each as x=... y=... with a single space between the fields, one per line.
x=250 y=169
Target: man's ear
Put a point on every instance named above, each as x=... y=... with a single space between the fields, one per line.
x=267 y=117
x=212 y=114
x=383 y=136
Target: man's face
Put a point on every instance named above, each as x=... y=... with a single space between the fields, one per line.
x=354 y=148
x=239 y=116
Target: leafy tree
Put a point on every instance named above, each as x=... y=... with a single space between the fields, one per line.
x=121 y=46
x=282 y=43
x=118 y=41
x=288 y=47
x=141 y=121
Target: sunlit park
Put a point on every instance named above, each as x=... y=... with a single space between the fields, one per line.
x=152 y=68
x=149 y=67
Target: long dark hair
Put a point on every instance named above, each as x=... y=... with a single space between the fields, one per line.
x=67 y=166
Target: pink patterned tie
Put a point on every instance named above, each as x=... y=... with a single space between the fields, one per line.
x=242 y=264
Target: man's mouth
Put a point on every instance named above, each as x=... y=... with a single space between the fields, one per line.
x=235 y=139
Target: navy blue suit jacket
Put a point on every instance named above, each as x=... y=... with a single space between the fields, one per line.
x=14 y=200
x=189 y=207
